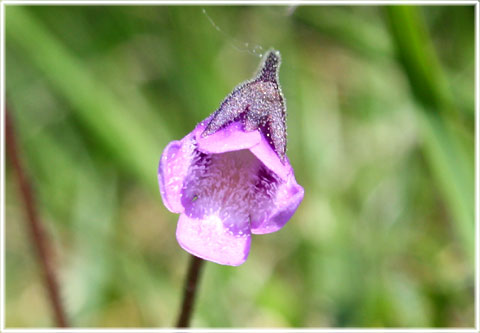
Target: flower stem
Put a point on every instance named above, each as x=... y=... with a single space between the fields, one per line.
x=191 y=283
x=37 y=232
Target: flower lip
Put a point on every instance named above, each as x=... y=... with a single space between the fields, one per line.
x=207 y=239
x=219 y=196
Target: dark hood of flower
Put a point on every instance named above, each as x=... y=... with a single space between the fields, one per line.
x=259 y=104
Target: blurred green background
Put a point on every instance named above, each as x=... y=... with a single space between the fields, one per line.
x=381 y=135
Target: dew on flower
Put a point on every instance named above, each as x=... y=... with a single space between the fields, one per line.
x=261 y=102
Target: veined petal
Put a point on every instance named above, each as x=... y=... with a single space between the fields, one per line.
x=173 y=169
x=287 y=199
x=209 y=239
x=264 y=152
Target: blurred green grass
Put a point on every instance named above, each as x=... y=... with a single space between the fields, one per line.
x=381 y=135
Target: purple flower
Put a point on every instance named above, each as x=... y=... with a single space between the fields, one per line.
x=230 y=178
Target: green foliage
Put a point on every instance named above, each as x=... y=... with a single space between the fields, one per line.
x=381 y=135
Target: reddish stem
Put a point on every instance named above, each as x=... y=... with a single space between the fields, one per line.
x=38 y=235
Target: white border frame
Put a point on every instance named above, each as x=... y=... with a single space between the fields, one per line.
x=238 y=2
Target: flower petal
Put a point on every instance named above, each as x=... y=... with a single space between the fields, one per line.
x=234 y=137
x=172 y=170
x=231 y=138
x=207 y=238
x=288 y=198
x=264 y=152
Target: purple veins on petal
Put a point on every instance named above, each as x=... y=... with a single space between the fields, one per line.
x=260 y=102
